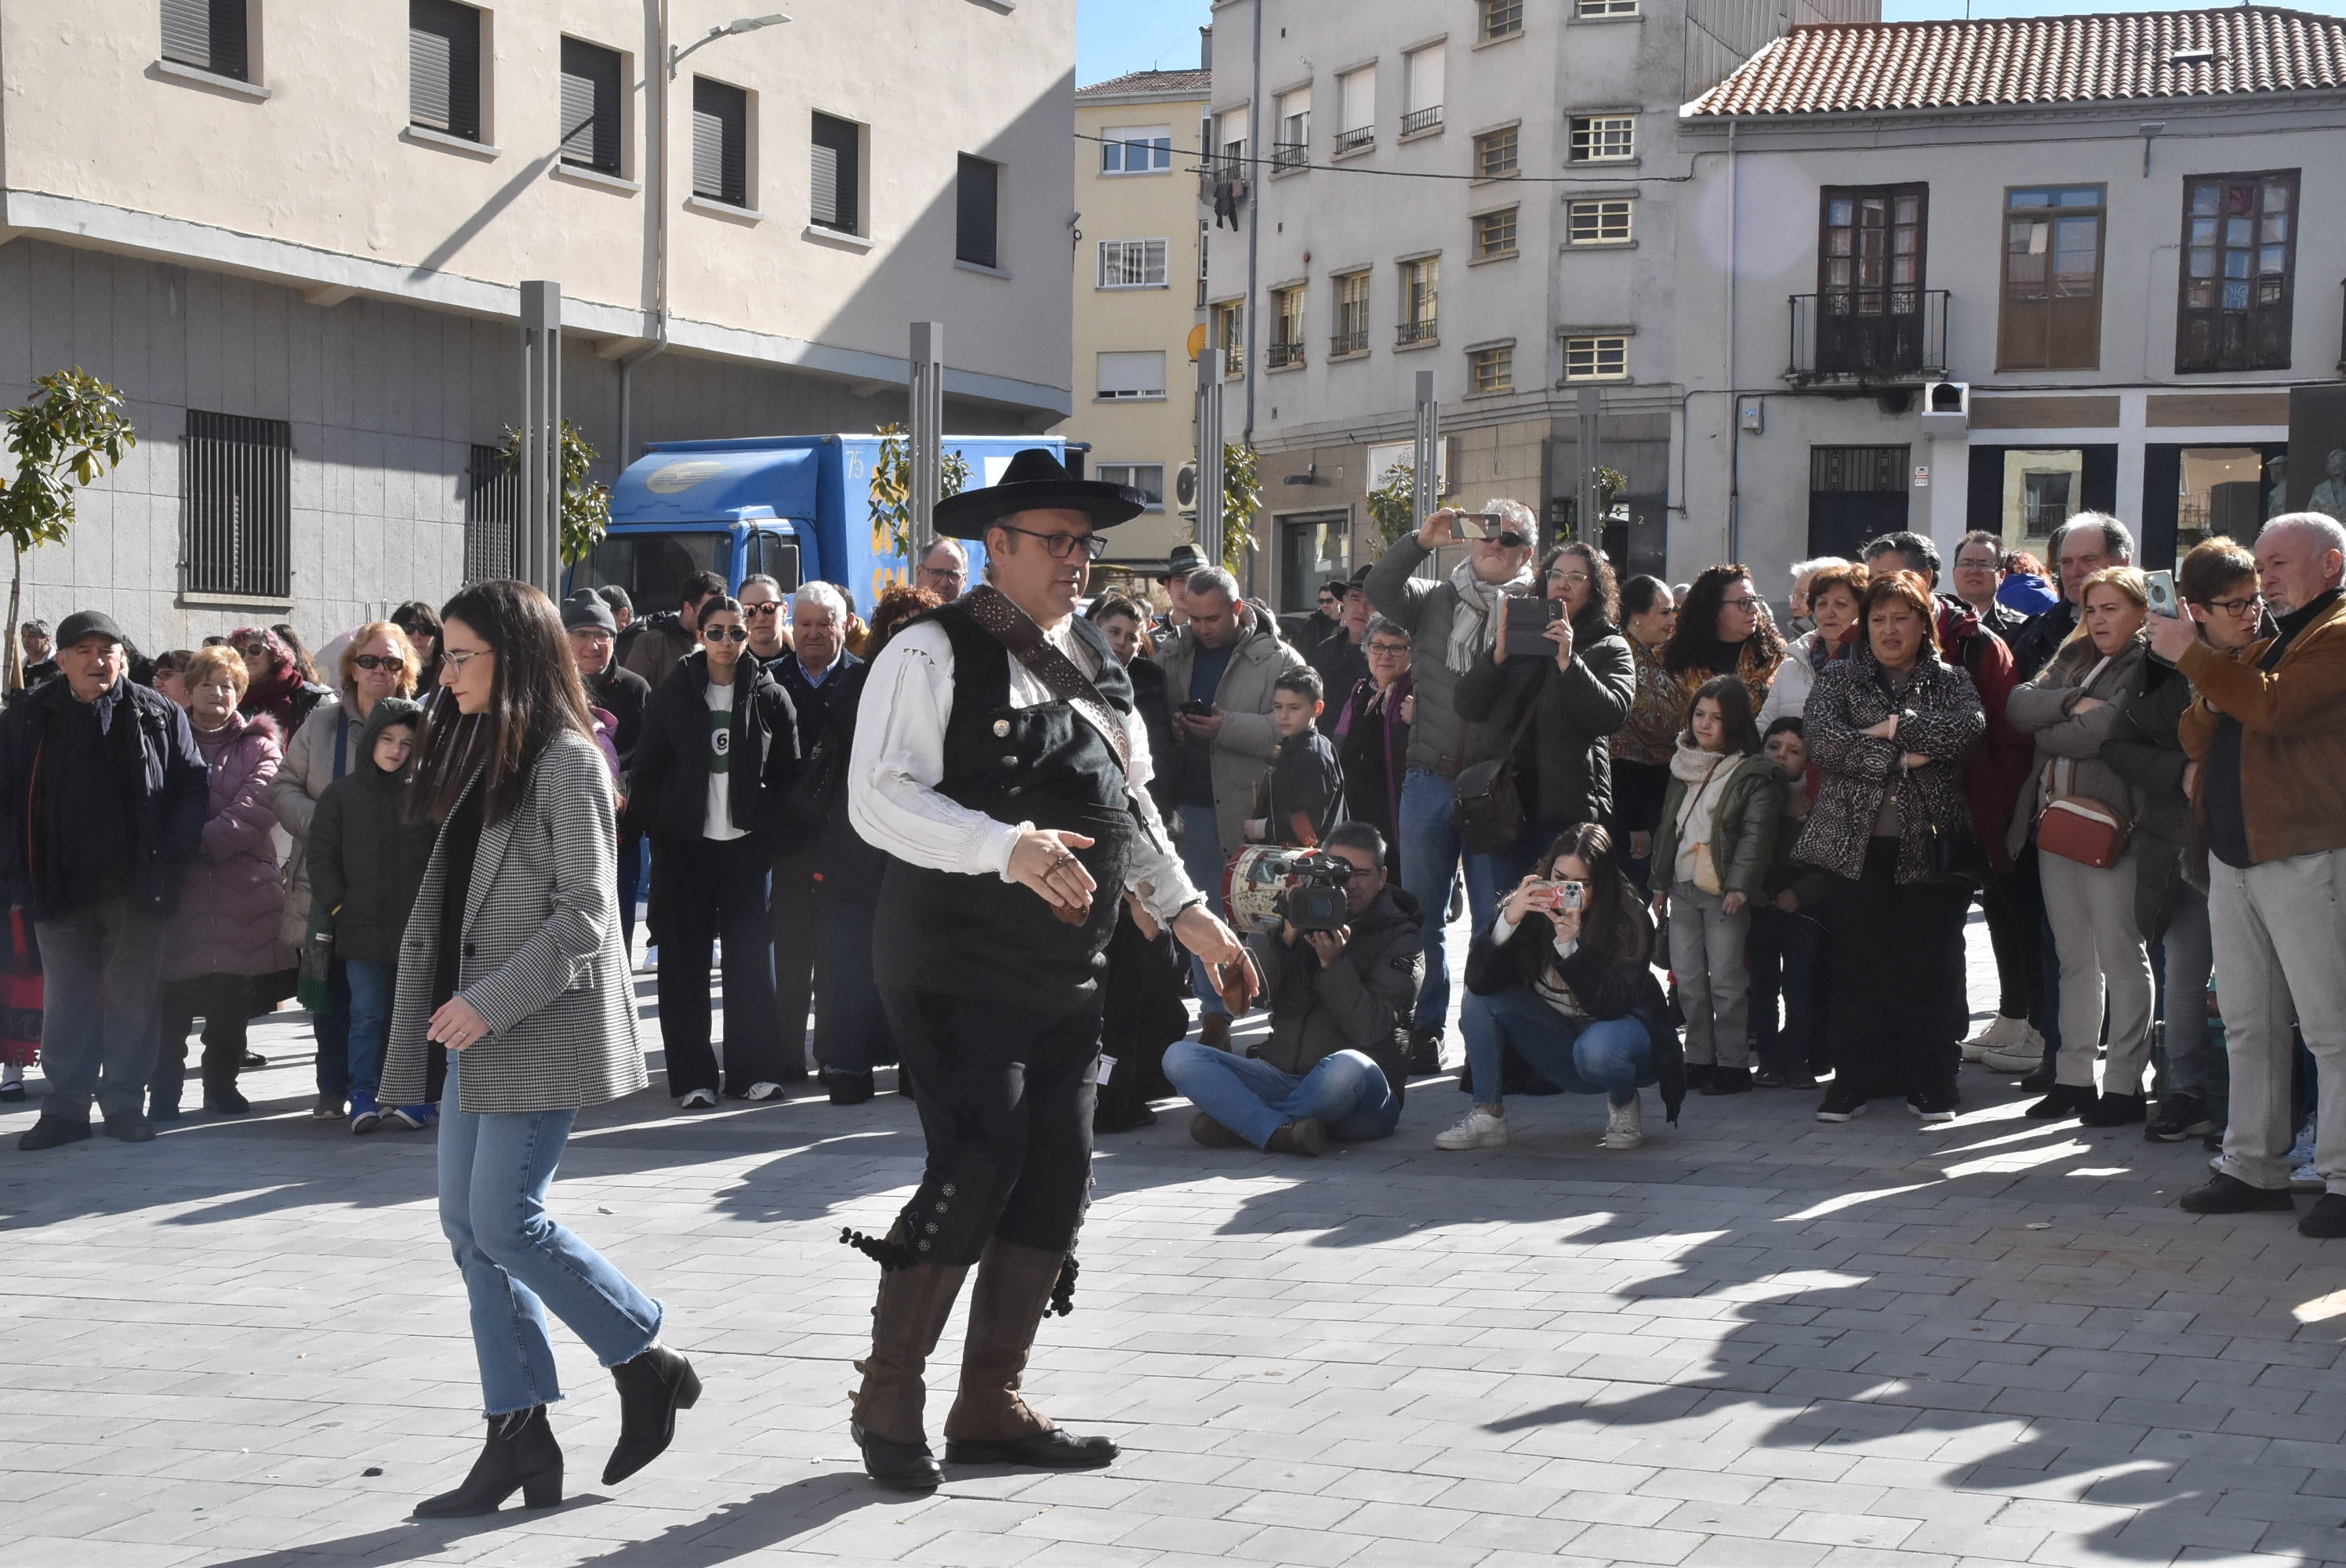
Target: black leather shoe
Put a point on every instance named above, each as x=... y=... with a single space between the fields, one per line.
x=12 y=1093
x=898 y=1466
x=2062 y=1101
x=130 y=1127
x=2326 y=1219
x=847 y=1088
x=2226 y=1194
x=52 y=1132
x=652 y=1389
x=1424 y=1052
x=1727 y=1080
x=1058 y=1449
x=520 y=1455
x=223 y=1100
x=2115 y=1111
x=2041 y=1079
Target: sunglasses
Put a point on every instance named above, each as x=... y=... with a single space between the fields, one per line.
x=378 y=661
x=254 y=650
x=412 y=632
x=725 y=634
x=761 y=609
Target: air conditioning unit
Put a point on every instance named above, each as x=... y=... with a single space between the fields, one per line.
x=1185 y=485
x=1946 y=407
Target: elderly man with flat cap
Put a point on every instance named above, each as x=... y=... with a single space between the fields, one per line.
x=998 y=759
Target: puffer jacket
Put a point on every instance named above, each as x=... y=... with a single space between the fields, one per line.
x=1574 y=715
x=1440 y=740
x=2043 y=708
x=366 y=858
x=308 y=768
x=1243 y=750
x=667 y=787
x=231 y=901
x=2146 y=749
x=1743 y=826
x=1362 y=1003
x=1852 y=694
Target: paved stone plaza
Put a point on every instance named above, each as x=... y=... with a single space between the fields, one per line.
x=1757 y=1341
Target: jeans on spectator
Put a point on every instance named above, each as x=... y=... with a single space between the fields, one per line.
x=370 y=987
x=111 y=950
x=332 y=1028
x=1203 y=858
x=1785 y=950
x=517 y=1260
x=2188 y=960
x=708 y=888
x=1346 y=1093
x=1430 y=858
x=1579 y=1055
x=2279 y=930
x=2100 y=949
x=1707 y=955
x=224 y=1001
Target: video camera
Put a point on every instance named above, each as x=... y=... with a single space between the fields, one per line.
x=1268 y=885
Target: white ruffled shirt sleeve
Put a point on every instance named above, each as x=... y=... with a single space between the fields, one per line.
x=898 y=760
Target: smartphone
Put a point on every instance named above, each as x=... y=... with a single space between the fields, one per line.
x=1525 y=629
x=1200 y=708
x=1571 y=895
x=2162 y=594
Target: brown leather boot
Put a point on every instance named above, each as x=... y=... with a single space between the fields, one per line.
x=906 y=1321
x=989 y=1422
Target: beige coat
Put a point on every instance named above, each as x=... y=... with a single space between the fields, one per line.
x=1241 y=754
x=294 y=794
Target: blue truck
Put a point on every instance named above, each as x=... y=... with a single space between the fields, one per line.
x=797 y=507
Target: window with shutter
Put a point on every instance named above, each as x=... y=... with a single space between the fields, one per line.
x=444 y=68
x=1132 y=375
x=838 y=174
x=207 y=35
x=237 y=521
x=590 y=106
x=720 y=142
x=977 y=201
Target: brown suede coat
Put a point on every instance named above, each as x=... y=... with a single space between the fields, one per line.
x=2293 y=735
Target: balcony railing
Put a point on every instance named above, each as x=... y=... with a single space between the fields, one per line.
x=1289 y=155
x=1414 y=333
x=1418 y=120
x=1344 y=344
x=1875 y=337
x=1355 y=139
x=1279 y=356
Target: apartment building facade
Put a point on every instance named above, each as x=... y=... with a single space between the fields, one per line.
x=1986 y=274
x=1489 y=189
x=294 y=237
x=1136 y=294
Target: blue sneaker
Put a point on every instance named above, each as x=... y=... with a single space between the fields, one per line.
x=416 y=1118
x=365 y=1115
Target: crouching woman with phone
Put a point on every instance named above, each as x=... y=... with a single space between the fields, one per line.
x=1564 y=978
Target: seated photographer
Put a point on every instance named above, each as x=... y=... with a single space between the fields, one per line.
x=1562 y=979
x=1340 y=1002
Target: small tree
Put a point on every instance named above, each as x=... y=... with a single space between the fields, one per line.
x=68 y=436
x=891 y=490
x=1392 y=504
x=585 y=502
x=1242 y=502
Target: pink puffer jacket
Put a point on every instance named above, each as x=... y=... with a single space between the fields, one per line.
x=232 y=900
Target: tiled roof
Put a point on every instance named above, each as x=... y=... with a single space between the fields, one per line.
x=1861 y=66
x=1196 y=83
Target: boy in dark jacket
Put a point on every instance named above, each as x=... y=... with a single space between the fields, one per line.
x=1786 y=941
x=366 y=860
x=1303 y=798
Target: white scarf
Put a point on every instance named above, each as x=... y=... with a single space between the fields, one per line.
x=1701 y=770
x=1475 y=626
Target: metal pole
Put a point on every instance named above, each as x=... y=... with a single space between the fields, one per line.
x=1211 y=465
x=1589 y=525
x=1425 y=459
x=928 y=425
x=540 y=545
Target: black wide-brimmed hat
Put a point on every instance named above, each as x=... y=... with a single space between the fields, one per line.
x=1036 y=481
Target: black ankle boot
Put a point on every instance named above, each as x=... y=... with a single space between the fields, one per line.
x=652 y=1389
x=521 y=1456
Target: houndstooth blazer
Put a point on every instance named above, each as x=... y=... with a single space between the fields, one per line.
x=542 y=959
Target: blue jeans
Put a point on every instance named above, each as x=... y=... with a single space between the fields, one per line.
x=1430 y=858
x=1578 y=1055
x=2186 y=964
x=1203 y=858
x=370 y=985
x=517 y=1260
x=1346 y=1093
x=97 y=1028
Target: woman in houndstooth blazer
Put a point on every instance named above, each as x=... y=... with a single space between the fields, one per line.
x=512 y=962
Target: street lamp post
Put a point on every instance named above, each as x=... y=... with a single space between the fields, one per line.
x=738 y=24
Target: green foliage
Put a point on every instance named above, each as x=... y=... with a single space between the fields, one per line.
x=1241 y=503
x=585 y=502
x=67 y=436
x=1392 y=504
x=891 y=490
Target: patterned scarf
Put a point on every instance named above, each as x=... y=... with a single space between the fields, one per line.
x=1475 y=626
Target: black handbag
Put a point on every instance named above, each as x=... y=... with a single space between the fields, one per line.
x=1489 y=802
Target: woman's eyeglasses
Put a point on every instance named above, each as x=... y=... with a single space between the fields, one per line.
x=254 y=650
x=1747 y=604
x=1387 y=650
x=2247 y=607
x=1569 y=579
x=378 y=661
x=725 y=634
x=460 y=657
x=1061 y=547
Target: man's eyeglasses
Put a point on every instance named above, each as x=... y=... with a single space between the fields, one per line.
x=725 y=634
x=768 y=609
x=1062 y=547
x=378 y=661
x=2247 y=607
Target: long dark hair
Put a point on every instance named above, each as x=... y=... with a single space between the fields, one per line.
x=1694 y=643
x=1740 y=736
x=1639 y=594
x=1603 y=588
x=1611 y=925
x=534 y=694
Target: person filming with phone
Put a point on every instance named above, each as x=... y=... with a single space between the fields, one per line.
x=1564 y=979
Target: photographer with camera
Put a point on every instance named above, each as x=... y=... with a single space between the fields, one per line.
x=1339 y=975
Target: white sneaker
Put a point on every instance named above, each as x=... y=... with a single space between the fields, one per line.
x=2302 y=1176
x=2010 y=1033
x=1624 y=1129
x=2026 y=1053
x=1477 y=1129
x=762 y=1091
x=697 y=1100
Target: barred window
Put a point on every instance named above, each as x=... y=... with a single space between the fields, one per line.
x=1595 y=359
x=1494 y=154
x=1495 y=235
x=1132 y=263
x=237 y=483
x=492 y=517
x=1604 y=138
x=1604 y=222
x=1502 y=18
x=1492 y=371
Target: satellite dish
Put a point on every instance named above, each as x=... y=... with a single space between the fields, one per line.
x=1196 y=342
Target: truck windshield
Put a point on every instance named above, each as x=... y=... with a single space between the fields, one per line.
x=652 y=567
